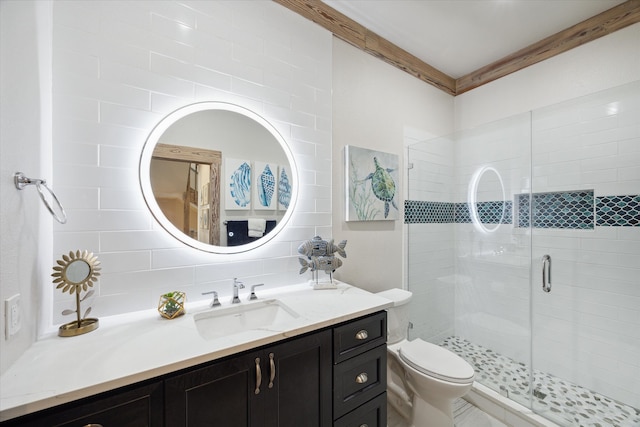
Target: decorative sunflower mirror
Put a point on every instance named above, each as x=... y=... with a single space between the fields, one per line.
x=76 y=273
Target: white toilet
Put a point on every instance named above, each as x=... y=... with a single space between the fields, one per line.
x=423 y=379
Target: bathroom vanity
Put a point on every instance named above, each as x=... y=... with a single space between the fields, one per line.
x=326 y=366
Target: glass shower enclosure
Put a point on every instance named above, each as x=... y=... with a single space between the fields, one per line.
x=524 y=255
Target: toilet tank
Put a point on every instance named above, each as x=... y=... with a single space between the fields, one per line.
x=397 y=315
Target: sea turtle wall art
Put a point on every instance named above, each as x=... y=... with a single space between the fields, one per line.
x=372 y=185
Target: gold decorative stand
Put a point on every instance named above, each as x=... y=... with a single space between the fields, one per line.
x=75 y=273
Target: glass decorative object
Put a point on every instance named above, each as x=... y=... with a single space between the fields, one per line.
x=171 y=304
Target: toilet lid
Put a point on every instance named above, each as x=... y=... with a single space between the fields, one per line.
x=435 y=361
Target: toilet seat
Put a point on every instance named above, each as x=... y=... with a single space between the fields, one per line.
x=435 y=361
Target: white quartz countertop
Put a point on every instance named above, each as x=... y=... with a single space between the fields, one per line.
x=139 y=346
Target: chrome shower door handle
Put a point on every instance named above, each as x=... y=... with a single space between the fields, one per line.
x=546 y=273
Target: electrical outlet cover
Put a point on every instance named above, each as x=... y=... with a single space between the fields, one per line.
x=12 y=315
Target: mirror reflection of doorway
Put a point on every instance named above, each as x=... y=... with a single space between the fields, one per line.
x=186 y=185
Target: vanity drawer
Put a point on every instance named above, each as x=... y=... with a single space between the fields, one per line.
x=357 y=337
x=358 y=380
x=371 y=414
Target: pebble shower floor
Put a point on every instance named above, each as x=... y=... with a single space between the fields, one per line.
x=562 y=401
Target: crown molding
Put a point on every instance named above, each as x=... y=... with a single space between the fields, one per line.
x=344 y=28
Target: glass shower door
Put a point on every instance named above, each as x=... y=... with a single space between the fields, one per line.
x=470 y=250
x=586 y=246
x=493 y=252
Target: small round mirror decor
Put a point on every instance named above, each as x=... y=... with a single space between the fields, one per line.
x=76 y=273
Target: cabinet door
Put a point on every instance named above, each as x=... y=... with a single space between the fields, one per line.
x=300 y=393
x=128 y=407
x=221 y=394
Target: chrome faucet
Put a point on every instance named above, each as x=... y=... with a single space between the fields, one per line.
x=236 y=285
x=253 y=291
x=215 y=301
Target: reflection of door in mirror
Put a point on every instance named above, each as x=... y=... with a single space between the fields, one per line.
x=186 y=186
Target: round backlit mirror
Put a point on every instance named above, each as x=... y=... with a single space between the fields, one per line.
x=218 y=177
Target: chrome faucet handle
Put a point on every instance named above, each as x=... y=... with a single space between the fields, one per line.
x=236 y=285
x=215 y=301
x=253 y=291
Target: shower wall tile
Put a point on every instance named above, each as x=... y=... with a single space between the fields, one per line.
x=573 y=210
x=416 y=211
x=117 y=70
x=488 y=212
x=564 y=210
x=618 y=211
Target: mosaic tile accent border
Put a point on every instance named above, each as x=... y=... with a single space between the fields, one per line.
x=563 y=402
x=578 y=210
x=416 y=212
x=488 y=212
x=621 y=211
x=570 y=209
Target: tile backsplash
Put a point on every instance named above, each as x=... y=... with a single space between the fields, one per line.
x=121 y=66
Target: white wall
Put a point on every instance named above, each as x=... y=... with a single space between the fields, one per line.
x=118 y=68
x=25 y=140
x=375 y=106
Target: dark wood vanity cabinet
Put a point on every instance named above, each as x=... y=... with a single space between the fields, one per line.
x=360 y=372
x=331 y=377
x=283 y=385
x=135 y=406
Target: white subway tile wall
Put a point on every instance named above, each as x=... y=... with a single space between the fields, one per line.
x=118 y=68
x=587 y=330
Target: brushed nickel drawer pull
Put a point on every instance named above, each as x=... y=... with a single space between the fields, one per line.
x=362 y=378
x=364 y=425
x=362 y=335
x=93 y=425
x=273 y=370
x=258 y=376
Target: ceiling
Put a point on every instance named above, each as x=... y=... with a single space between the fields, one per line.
x=458 y=37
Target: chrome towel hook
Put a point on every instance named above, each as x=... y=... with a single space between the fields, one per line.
x=22 y=181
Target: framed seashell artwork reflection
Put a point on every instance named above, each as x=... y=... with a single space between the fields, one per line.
x=284 y=187
x=237 y=184
x=264 y=188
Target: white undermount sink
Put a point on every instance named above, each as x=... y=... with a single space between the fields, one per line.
x=223 y=321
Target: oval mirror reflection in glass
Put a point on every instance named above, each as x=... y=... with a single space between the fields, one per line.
x=218 y=177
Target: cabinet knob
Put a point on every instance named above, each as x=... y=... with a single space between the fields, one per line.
x=364 y=425
x=93 y=425
x=362 y=335
x=362 y=378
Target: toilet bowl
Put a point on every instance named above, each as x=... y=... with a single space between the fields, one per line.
x=423 y=378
